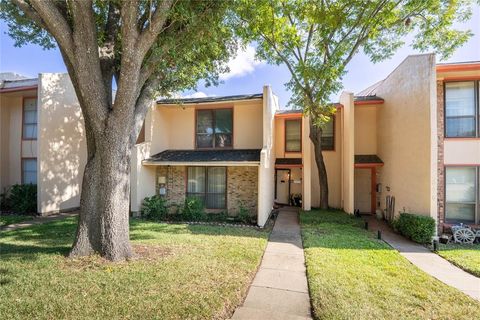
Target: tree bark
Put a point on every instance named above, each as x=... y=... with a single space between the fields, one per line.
x=104 y=206
x=316 y=137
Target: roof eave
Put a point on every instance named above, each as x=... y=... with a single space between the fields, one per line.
x=18 y=89
x=202 y=163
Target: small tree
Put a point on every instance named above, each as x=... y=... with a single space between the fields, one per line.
x=316 y=39
x=148 y=47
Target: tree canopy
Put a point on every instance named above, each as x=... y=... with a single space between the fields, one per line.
x=148 y=47
x=316 y=39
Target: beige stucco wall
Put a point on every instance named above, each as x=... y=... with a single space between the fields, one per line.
x=142 y=177
x=308 y=162
x=334 y=167
x=280 y=138
x=266 y=170
x=462 y=151
x=11 y=145
x=61 y=144
x=347 y=161
x=173 y=127
x=404 y=135
x=366 y=129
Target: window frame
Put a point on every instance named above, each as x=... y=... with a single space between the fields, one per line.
x=205 y=168
x=334 y=119
x=23 y=118
x=214 y=117
x=23 y=168
x=476 y=220
x=476 y=98
x=285 y=134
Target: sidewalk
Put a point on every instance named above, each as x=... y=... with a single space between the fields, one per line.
x=428 y=261
x=39 y=220
x=279 y=290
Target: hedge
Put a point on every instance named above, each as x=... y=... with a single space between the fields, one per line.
x=416 y=227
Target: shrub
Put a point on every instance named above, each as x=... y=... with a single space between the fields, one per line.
x=20 y=198
x=416 y=227
x=193 y=209
x=243 y=214
x=154 y=208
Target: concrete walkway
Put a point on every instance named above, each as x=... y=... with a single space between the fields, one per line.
x=39 y=220
x=280 y=290
x=428 y=261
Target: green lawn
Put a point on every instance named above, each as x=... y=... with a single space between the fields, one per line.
x=5 y=220
x=464 y=256
x=352 y=275
x=187 y=272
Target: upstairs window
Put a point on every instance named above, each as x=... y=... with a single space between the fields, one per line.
x=461 y=111
x=328 y=135
x=29 y=126
x=293 y=135
x=214 y=128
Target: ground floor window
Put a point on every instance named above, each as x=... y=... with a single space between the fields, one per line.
x=209 y=184
x=461 y=194
x=29 y=171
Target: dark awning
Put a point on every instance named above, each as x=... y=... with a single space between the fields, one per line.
x=189 y=156
x=367 y=158
x=288 y=161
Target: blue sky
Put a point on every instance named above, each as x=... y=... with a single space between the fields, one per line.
x=247 y=75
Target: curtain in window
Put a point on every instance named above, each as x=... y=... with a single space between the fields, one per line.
x=29 y=168
x=223 y=128
x=328 y=140
x=205 y=129
x=207 y=184
x=196 y=183
x=460 y=194
x=460 y=109
x=293 y=141
x=214 y=128
x=30 y=118
x=216 y=188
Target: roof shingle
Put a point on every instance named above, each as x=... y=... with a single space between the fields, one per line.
x=234 y=155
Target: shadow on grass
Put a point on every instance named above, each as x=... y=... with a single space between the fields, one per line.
x=144 y=230
x=56 y=237
x=334 y=229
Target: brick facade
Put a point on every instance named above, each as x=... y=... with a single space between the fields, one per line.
x=175 y=183
x=242 y=186
x=440 y=162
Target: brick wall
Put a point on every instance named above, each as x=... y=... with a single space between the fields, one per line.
x=242 y=186
x=175 y=183
x=441 y=167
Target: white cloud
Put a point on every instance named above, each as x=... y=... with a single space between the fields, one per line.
x=198 y=94
x=243 y=63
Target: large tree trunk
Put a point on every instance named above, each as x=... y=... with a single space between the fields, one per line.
x=104 y=206
x=316 y=137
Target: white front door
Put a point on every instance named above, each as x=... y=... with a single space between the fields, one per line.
x=282 y=187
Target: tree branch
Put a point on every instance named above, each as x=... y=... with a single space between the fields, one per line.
x=30 y=12
x=144 y=101
x=150 y=33
x=54 y=22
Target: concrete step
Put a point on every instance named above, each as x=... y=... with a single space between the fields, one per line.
x=274 y=300
x=246 y=313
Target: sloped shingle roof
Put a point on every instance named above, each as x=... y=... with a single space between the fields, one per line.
x=236 y=155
